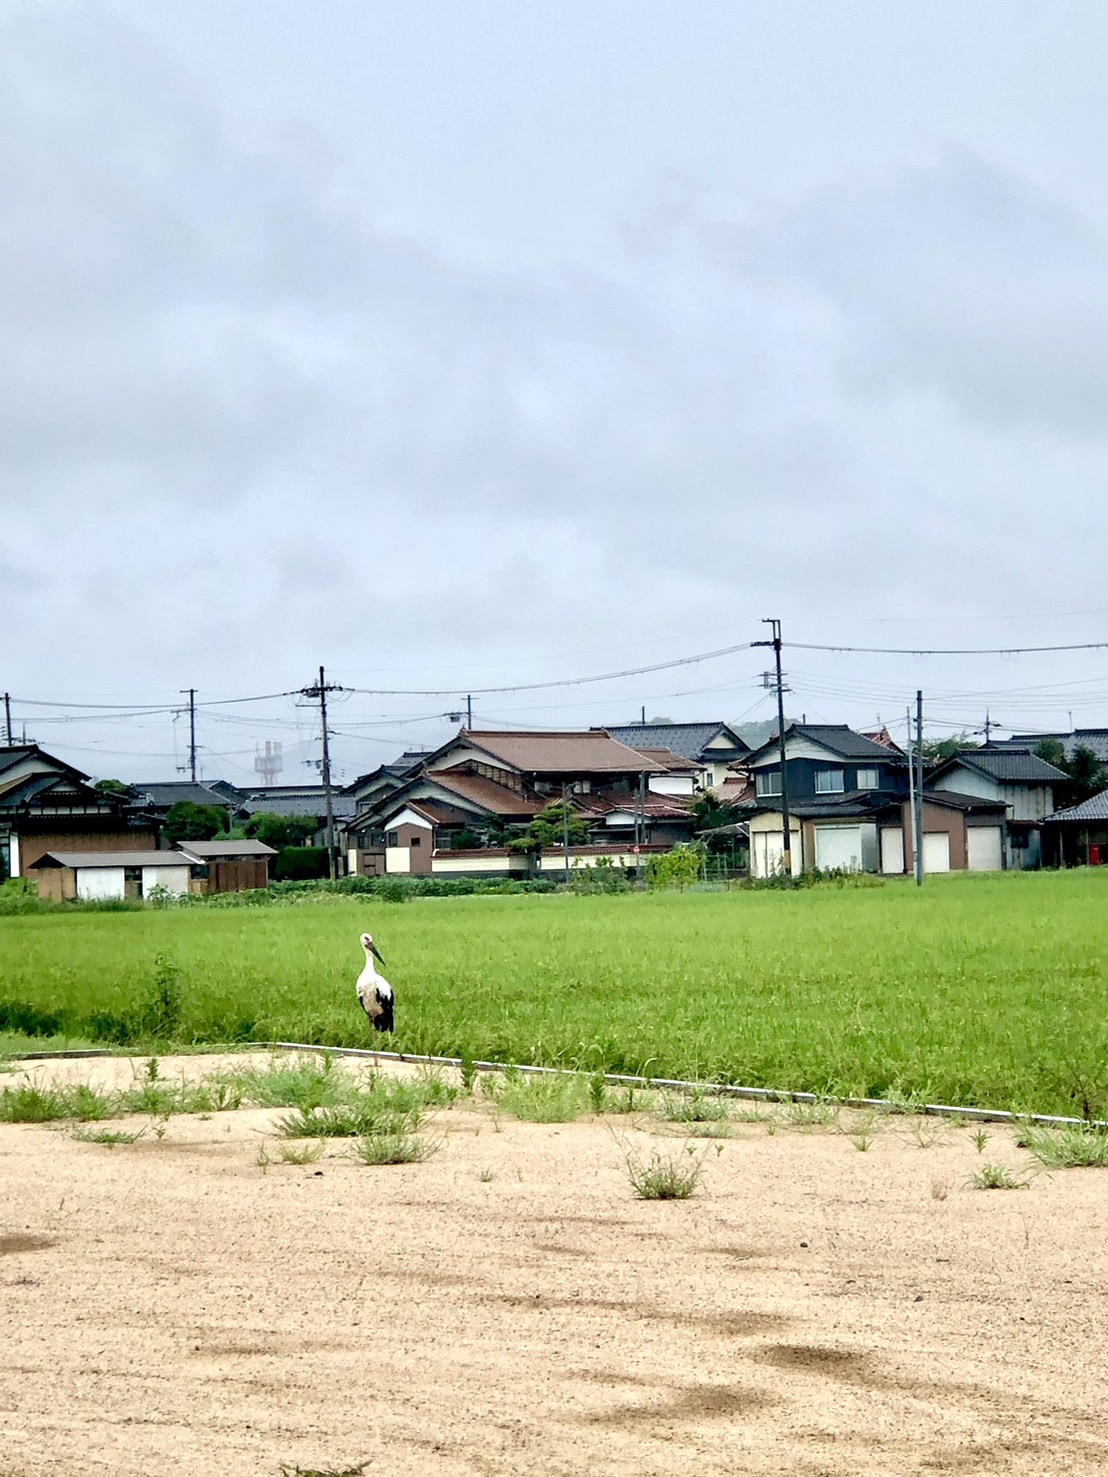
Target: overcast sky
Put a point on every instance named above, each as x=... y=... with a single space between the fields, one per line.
x=468 y=343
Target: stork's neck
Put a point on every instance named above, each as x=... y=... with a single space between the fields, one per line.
x=371 y=967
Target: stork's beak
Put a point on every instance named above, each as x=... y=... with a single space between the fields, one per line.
x=376 y=952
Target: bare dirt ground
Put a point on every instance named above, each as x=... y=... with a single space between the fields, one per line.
x=508 y=1306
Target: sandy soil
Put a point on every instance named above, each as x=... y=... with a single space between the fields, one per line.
x=508 y=1306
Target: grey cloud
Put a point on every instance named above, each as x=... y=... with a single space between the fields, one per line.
x=960 y=278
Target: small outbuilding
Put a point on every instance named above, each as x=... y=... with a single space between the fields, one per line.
x=229 y=866
x=99 y=876
x=1078 y=835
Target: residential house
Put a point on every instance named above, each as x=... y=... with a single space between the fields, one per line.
x=712 y=747
x=1093 y=739
x=1016 y=778
x=473 y=792
x=849 y=808
x=160 y=796
x=1077 y=836
x=47 y=804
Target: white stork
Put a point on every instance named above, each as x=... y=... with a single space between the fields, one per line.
x=374 y=991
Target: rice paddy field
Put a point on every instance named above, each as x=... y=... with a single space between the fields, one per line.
x=976 y=990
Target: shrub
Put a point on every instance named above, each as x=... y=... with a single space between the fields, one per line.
x=680 y=867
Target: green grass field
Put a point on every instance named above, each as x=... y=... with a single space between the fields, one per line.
x=977 y=990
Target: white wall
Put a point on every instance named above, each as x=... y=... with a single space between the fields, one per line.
x=97 y=883
x=767 y=845
x=14 y=843
x=406 y=817
x=173 y=879
x=445 y=863
x=398 y=859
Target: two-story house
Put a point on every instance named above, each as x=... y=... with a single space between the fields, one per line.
x=1016 y=778
x=849 y=807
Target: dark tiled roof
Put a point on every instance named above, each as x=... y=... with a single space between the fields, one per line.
x=163 y=794
x=1093 y=809
x=677 y=763
x=342 y=806
x=12 y=754
x=851 y=803
x=1007 y=766
x=838 y=739
x=690 y=740
x=957 y=801
x=1094 y=739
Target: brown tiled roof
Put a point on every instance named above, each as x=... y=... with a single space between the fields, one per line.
x=440 y=814
x=670 y=760
x=734 y=789
x=497 y=799
x=586 y=752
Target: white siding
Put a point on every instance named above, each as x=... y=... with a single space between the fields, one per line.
x=398 y=859
x=97 y=883
x=445 y=862
x=15 y=855
x=767 y=846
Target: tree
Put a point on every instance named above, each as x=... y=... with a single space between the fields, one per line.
x=1087 y=775
x=281 y=830
x=549 y=828
x=936 y=750
x=708 y=814
x=112 y=787
x=189 y=822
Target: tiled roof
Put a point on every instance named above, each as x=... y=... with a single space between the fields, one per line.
x=1007 y=766
x=113 y=859
x=496 y=799
x=1094 y=739
x=166 y=793
x=851 y=803
x=440 y=814
x=217 y=849
x=957 y=801
x=590 y=752
x=676 y=763
x=838 y=739
x=12 y=754
x=1093 y=809
x=690 y=740
x=342 y=806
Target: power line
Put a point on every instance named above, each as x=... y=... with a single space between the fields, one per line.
x=947 y=651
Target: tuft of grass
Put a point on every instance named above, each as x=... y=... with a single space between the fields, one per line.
x=109 y=1137
x=862 y=1142
x=980 y=1139
x=542 y=1099
x=672 y=1176
x=29 y=1103
x=486 y=1176
x=697 y=1106
x=393 y=1147
x=996 y=1177
x=305 y=1084
x=294 y=1471
x=811 y=1115
x=381 y=1107
x=301 y=1153
x=940 y=1188
x=1067 y=1148
x=598 y=1092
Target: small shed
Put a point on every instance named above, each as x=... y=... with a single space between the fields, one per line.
x=229 y=866
x=97 y=876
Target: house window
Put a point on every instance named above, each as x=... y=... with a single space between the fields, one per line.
x=417 y=841
x=829 y=782
x=767 y=782
x=869 y=779
x=392 y=839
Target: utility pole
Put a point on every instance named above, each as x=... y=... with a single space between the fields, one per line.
x=469 y=712
x=319 y=693
x=919 y=789
x=786 y=824
x=912 y=832
x=565 y=832
x=8 y=719
x=192 y=731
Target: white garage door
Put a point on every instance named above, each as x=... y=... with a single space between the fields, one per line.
x=984 y=848
x=936 y=852
x=892 y=849
x=839 y=846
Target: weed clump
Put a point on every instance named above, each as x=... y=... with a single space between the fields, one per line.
x=672 y=1176
x=996 y=1177
x=1067 y=1148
